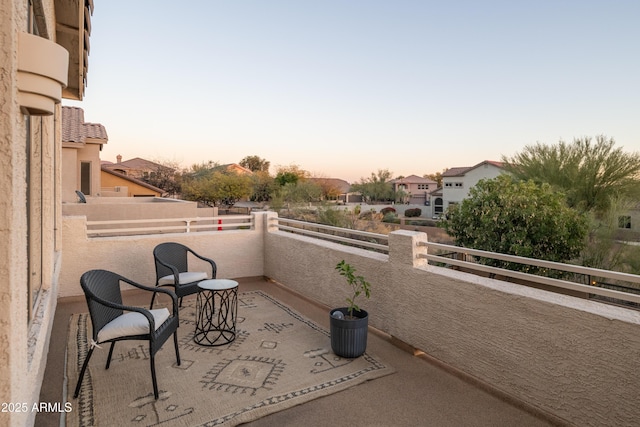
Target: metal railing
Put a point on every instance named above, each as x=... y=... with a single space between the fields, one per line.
x=592 y=288
x=168 y=225
x=347 y=236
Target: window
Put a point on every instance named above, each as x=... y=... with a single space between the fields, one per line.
x=32 y=25
x=453 y=184
x=624 y=221
x=85 y=177
x=423 y=186
x=438 y=208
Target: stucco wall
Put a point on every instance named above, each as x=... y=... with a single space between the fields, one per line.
x=13 y=265
x=132 y=189
x=237 y=253
x=70 y=180
x=24 y=338
x=573 y=358
x=129 y=208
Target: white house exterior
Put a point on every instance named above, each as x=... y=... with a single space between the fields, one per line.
x=456 y=183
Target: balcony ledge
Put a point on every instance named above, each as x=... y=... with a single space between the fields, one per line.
x=42 y=73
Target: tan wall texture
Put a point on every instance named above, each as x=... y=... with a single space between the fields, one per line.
x=70 y=179
x=237 y=253
x=575 y=359
x=23 y=339
x=117 y=208
x=133 y=189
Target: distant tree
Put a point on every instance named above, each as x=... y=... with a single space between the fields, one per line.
x=198 y=170
x=207 y=184
x=166 y=176
x=290 y=174
x=301 y=192
x=376 y=188
x=590 y=173
x=518 y=218
x=330 y=191
x=255 y=164
x=437 y=177
x=263 y=186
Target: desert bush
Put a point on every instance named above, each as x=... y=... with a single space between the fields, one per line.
x=390 y=217
x=370 y=215
x=385 y=211
x=414 y=212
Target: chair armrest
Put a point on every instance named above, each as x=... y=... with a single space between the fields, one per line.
x=214 y=267
x=176 y=273
x=156 y=290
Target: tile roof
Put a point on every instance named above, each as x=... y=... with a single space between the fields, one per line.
x=136 y=163
x=413 y=179
x=74 y=128
x=460 y=171
x=339 y=184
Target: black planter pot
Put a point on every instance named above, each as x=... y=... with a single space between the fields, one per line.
x=349 y=336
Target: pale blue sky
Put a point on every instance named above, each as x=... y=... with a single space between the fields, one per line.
x=344 y=88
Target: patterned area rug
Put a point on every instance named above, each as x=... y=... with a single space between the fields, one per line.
x=279 y=359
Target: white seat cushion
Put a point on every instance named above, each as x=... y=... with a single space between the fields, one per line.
x=131 y=323
x=187 y=277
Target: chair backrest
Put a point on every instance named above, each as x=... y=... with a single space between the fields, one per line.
x=104 y=285
x=171 y=253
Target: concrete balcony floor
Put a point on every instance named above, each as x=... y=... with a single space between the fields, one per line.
x=421 y=392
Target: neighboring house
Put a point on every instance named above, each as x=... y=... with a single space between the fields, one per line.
x=142 y=168
x=81 y=146
x=115 y=184
x=629 y=225
x=135 y=168
x=43 y=58
x=416 y=189
x=337 y=189
x=234 y=167
x=456 y=183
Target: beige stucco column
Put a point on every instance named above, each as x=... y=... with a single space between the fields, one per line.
x=405 y=248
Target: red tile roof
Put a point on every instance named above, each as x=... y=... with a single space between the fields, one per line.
x=74 y=128
x=461 y=171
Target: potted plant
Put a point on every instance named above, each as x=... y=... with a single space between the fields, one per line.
x=349 y=325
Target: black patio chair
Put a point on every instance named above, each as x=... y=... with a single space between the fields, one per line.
x=172 y=269
x=112 y=321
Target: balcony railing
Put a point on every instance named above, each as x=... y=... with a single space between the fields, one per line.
x=361 y=239
x=467 y=259
x=168 y=225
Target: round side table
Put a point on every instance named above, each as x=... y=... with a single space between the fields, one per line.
x=213 y=329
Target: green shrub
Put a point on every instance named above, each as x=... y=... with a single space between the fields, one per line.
x=385 y=211
x=414 y=212
x=389 y=217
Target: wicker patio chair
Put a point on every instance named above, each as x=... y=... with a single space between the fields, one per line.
x=112 y=321
x=172 y=269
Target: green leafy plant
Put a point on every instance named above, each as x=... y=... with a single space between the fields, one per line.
x=358 y=285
